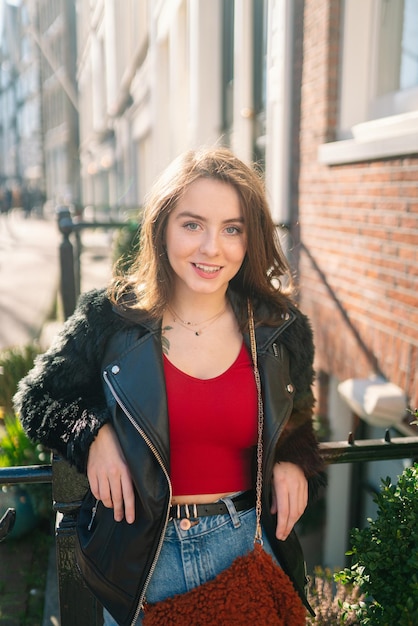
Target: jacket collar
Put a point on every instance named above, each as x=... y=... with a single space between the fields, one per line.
x=266 y=335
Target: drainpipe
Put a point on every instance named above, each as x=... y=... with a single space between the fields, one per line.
x=242 y=135
x=279 y=109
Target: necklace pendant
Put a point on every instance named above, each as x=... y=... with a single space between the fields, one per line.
x=197 y=333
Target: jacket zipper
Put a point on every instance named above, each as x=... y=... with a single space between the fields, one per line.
x=93 y=514
x=160 y=461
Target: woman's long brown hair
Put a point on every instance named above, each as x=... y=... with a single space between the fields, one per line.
x=149 y=282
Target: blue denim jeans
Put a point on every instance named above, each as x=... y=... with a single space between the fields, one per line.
x=191 y=557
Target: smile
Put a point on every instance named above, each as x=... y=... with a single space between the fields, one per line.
x=208 y=269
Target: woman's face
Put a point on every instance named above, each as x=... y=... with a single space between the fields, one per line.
x=206 y=238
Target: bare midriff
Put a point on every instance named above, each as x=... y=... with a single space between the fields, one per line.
x=198 y=499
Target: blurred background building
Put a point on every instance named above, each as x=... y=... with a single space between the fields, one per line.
x=97 y=96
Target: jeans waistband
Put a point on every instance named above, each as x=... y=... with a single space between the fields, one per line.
x=242 y=502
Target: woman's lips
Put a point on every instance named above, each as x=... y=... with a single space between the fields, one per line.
x=208 y=271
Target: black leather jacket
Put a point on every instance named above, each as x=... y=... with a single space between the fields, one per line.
x=140 y=419
x=61 y=403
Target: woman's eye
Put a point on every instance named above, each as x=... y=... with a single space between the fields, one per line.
x=232 y=230
x=191 y=226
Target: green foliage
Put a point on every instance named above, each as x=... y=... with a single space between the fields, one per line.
x=334 y=604
x=385 y=555
x=415 y=414
x=15 y=447
x=126 y=246
x=14 y=364
x=17 y=450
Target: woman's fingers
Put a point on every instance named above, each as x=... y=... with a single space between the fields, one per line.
x=109 y=476
x=290 y=496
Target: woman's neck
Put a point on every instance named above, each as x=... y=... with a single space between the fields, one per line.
x=198 y=308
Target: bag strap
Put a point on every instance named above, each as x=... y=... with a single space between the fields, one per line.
x=258 y=538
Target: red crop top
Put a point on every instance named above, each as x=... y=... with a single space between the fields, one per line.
x=213 y=428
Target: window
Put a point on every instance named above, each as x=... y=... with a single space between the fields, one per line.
x=378 y=108
x=396 y=88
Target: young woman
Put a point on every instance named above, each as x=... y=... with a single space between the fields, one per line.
x=150 y=390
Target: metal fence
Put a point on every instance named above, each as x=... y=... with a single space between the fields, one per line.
x=71 y=226
x=77 y=604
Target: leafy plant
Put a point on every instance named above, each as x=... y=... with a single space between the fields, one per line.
x=126 y=245
x=15 y=447
x=335 y=604
x=415 y=414
x=385 y=555
x=14 y=364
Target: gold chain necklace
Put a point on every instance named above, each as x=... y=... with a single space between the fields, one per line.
x=191 y=325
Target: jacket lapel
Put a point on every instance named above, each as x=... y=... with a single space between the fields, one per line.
x=136 y=380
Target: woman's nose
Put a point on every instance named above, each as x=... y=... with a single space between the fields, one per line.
x=210 y=244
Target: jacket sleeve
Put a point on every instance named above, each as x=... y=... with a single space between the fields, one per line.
x=61 y=402
x=298 y=443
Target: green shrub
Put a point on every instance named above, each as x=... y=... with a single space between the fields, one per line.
x=415 y=414
x=385 y=555
x=16 y=449
x=126 y=246
x=14 y=365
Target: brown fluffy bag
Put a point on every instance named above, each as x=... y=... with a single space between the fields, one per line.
x=254 y=590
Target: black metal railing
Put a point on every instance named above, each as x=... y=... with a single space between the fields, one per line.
x=71 y=226
x=77 y=605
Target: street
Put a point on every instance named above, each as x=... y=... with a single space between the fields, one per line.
x=29 y=272
x=28 y=275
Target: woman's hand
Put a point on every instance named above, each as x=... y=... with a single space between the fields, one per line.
x=109 y=476
x=290 y=496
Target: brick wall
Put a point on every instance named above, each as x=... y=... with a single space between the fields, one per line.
x=358 y=245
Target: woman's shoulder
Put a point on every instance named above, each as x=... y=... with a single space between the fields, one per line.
x=285 y=312
x=95 y=299
x=95 y=315
x=295 y=328
x=298 y=338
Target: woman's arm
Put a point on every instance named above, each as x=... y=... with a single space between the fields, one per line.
x=298 y=471
x=298 y=443
x=61 y=402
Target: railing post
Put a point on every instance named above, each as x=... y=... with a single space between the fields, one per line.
x=68 y=279
x=77 y=603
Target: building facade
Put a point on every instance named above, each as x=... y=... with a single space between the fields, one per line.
x=156 y=78
x=21 y=150
x=54 y=32
x=39 y=114
x=358 y=214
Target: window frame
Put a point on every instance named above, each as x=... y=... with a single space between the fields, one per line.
x=369 y=125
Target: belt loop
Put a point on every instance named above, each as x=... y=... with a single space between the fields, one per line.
x=232 y=511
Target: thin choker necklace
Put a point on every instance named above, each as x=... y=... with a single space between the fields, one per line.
x=190 y=325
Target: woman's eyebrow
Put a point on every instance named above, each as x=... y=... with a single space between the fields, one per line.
x=195 y=216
